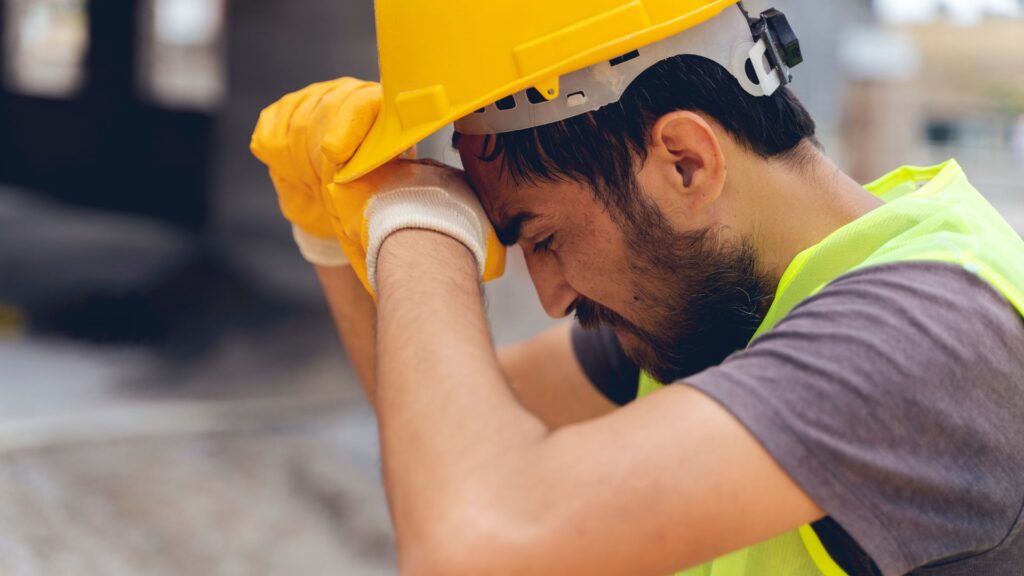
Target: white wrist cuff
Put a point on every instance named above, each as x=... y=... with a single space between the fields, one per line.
x=323 y=252
x=425 y=208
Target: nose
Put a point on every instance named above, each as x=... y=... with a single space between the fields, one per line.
x=557 y=296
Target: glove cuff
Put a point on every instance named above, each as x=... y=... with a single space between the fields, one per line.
x=323 y=252
x=424 y=208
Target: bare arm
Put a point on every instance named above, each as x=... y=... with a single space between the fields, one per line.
x=355 y=316
x=544 y=372
x=479 y=486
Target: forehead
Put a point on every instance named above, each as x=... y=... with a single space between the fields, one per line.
x=500 y=195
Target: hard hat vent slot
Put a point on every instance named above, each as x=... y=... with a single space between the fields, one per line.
x=576 y=99
x=507 y=103
x=625 y=58
x=535 y=97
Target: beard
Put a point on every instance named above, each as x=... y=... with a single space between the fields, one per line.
x=697 y=299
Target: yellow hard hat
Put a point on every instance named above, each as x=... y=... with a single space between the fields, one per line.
x=442 y=60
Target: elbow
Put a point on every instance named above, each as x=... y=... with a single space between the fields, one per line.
x=470 y=538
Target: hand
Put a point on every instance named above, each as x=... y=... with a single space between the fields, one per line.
x=407 y=194
x=307 y=137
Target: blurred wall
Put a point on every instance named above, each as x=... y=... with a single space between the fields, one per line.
x=103 y=144
x=820 y=81
x=276 y=47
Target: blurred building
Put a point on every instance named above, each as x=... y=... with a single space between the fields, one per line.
x=820 y=84
x=945 y=83
x=124 y=162
x=106 y=105
x=970 y=91
x=273 y=48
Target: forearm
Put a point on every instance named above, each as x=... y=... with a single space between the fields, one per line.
x=355 y=316
x=447 y=415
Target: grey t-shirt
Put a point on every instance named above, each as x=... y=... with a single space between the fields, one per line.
x=895 y=399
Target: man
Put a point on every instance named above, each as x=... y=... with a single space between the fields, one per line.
x=847 y=362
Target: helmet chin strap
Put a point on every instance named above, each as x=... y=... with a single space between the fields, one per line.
x=758 y=52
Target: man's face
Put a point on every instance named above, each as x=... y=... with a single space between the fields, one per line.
x=680 y=301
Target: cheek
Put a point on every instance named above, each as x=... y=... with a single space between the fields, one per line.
x=597 y=267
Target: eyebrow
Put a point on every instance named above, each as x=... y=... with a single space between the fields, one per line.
x=509 y=233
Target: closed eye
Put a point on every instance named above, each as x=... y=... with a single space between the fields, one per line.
x=544 y=245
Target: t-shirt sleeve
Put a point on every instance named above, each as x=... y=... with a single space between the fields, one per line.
x=895 y=399
x=606 y=365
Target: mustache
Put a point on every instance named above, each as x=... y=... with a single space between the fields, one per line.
x=592 y=316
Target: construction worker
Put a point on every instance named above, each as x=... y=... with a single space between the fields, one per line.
x=846 y=362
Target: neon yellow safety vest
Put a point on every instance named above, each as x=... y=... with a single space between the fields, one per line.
x=931 y=214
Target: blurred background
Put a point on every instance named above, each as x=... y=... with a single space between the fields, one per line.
x=173 y=398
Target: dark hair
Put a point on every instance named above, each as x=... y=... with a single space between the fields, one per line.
x=604 y=147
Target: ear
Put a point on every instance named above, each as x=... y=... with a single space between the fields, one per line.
x=686 y=157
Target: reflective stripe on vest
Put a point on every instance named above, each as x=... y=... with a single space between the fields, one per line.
x=931 y=214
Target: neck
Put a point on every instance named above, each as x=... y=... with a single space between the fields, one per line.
x=799 y=204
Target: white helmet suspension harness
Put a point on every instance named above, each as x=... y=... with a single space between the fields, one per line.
x=758 y=52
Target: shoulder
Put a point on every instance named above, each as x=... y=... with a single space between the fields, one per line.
x=911 y=321
x=895 y=398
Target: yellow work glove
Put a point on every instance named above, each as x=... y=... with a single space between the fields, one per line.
x=305 y=139
x=407 y=194
x=308 y=136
